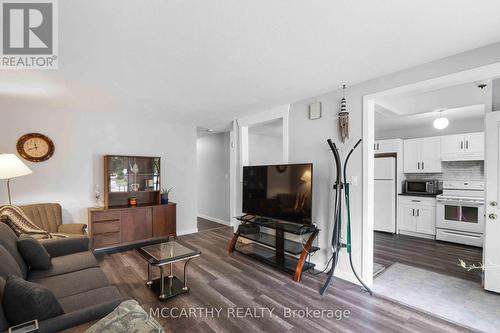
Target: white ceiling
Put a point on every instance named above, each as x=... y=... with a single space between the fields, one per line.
x=207 y=62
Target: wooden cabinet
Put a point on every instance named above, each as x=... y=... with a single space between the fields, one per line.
x=164 y=220
x=422 y=155
x=462 y=147
x=387 y=146
x=417 y=215
x=113 y=227
x=137 y=224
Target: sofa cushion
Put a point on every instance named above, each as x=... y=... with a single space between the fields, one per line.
x=4 y=324
x=34 y=254
x=73 y=283
x=8 y=264
x=66 y=264
x=89 y=298
x=64 y=246
x=8 y=240
x=24 y=301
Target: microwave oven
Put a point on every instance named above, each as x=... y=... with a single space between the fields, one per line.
x=421 y=186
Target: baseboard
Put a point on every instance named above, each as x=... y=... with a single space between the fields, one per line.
x=214 y=219
x=187 y=232
x=416 y=234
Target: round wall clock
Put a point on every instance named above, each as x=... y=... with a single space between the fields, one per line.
x=35 y=147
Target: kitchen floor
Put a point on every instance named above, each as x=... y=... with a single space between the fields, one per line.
x=435 y=256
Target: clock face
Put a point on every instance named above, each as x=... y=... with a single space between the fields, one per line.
x=35 y=147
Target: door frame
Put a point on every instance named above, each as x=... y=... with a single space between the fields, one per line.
x=482 y=73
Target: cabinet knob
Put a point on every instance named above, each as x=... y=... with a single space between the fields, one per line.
x=492 y=216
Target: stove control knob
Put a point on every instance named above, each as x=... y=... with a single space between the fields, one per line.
x=492 y=216
x=493 y=203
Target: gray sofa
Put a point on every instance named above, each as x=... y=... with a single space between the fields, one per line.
x=74 y=277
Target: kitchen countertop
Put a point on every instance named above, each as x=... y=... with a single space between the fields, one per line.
x=421 y=194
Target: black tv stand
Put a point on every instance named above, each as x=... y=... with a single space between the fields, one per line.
x=275 y=250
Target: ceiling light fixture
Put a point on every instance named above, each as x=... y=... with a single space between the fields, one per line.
x=441 y=122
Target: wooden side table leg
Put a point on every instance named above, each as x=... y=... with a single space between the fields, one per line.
x=232 y=243
x=302 y=259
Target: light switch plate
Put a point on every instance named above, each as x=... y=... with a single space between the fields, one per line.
x=315 y=110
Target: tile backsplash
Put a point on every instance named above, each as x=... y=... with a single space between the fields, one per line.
x=459 y=170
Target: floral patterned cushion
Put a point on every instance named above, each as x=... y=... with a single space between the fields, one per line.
x=129 y=316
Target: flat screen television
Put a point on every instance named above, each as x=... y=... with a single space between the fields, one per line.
x=281 y=192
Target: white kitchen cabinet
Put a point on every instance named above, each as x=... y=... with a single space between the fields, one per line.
x=417 y=215
x=387 y=146
x=463 y=147
x=422 y=155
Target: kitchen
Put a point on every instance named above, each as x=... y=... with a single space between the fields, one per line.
x=429 y=186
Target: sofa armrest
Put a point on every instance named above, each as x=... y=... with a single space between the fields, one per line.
x=64 y=246
x=72 y=228
x=85 y=315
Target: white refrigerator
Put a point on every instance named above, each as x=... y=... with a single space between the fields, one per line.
x=385 y=194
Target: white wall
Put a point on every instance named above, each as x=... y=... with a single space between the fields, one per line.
x=496 y=95
x=81 y=139
x=308 y=142
x=264 y=149
x=213 y=177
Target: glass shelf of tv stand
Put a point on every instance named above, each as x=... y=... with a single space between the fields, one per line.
x=290 y=227
x=291 y=247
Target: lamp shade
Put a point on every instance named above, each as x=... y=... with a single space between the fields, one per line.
x=11 y=166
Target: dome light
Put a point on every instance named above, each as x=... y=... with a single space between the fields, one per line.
x=441 y=122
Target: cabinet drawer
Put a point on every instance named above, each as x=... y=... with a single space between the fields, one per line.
x=105 y=227
x=107 y=215
x=106 y=239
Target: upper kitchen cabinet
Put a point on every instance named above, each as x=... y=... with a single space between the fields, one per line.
x=422 y=155
x=387 y=146
x=463 y=147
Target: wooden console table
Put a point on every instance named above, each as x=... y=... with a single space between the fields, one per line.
x=275 y=250
x=118 y=226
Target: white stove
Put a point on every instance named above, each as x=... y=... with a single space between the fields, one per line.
x=460 y=212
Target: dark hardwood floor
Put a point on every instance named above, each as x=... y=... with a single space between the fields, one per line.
x=222 y=280
x=204 y=224
x=436 y=256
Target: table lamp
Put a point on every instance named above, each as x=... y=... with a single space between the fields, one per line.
x=11 y=167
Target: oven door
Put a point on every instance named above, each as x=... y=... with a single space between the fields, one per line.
x=461 y=215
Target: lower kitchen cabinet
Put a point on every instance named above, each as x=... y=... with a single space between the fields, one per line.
x=417 y=216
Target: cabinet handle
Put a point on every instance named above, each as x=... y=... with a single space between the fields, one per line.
x=418 y=212
x=423 y=166
x=418 y=165
x=413 y=212
x=467 y=144
x=461 y=145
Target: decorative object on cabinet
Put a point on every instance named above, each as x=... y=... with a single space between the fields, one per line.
x=11 y=167
x=343 y=118
x=35 y=147
x=164 y=195
x=132 y=202
x=97 y=196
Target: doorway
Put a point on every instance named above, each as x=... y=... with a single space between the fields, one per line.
x=213 y=179
x=414 y=254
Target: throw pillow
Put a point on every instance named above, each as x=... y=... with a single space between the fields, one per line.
x=34 y=254
x=24 y=301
